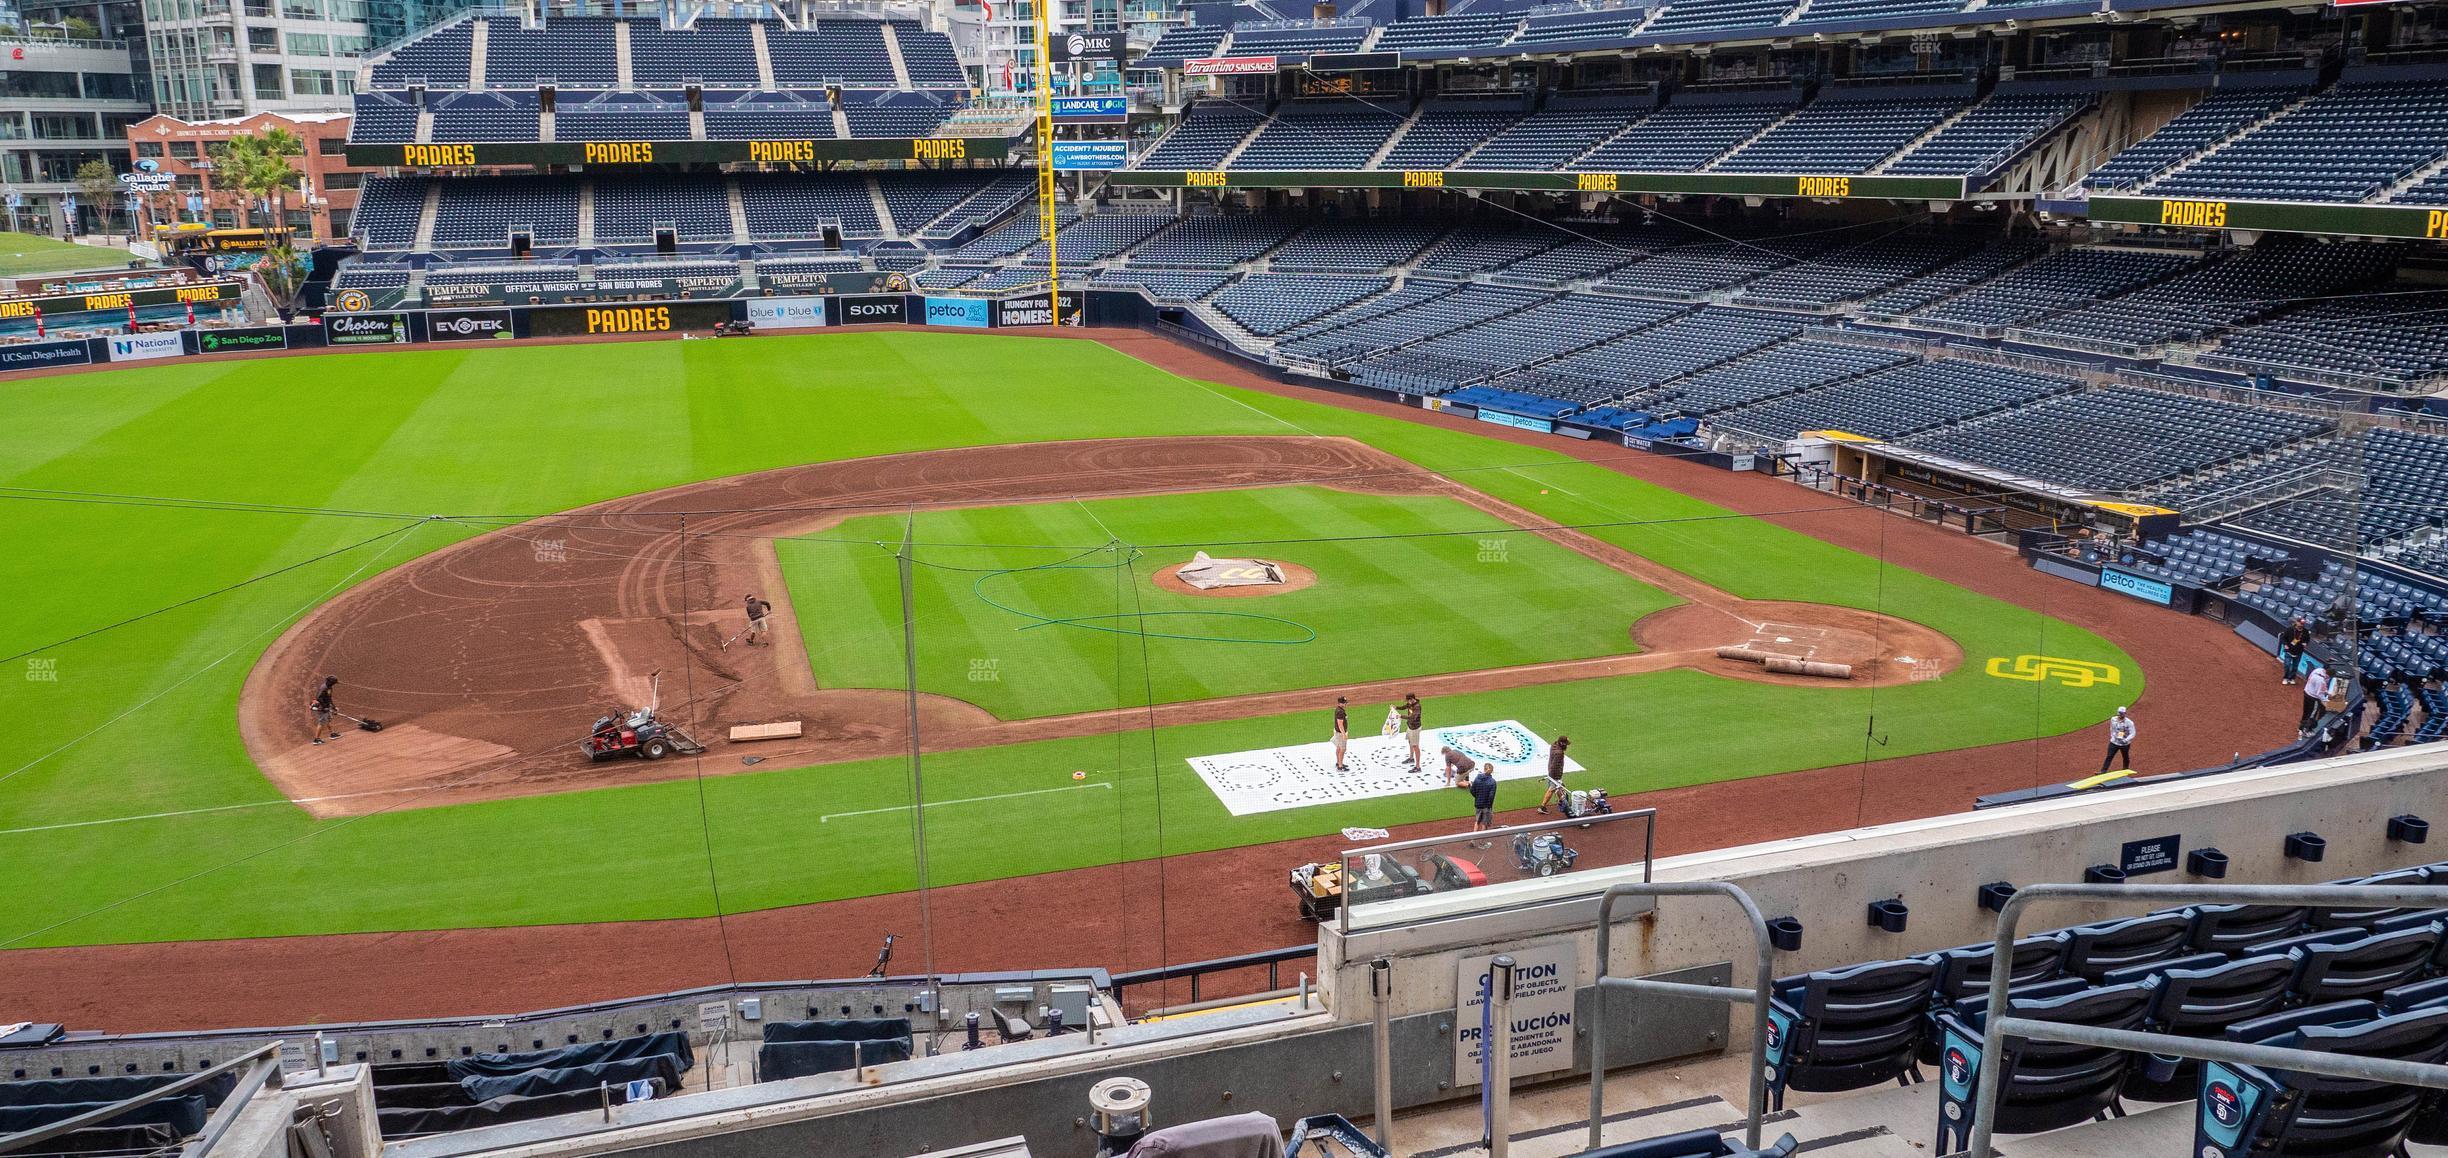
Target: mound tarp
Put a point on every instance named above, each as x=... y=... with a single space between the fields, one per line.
x=495 y=1065
x=1207 y=573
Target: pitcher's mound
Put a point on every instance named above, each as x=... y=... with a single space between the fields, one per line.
x=1294 y=578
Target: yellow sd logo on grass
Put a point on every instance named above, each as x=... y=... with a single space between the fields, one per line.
x=2073 y=673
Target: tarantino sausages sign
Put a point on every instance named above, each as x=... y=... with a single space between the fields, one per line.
x=662 y=319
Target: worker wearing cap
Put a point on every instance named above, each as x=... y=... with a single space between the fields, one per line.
x=2120 y=741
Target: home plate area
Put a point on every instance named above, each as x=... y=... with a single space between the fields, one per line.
x=1303 y=775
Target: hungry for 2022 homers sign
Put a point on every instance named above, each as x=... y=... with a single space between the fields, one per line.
x=1544 y=977
x=1300 y=775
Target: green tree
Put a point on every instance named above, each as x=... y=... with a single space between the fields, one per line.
x=101 y=186
x=258 y=167
x=283 y=272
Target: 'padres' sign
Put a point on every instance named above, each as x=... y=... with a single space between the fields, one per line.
x=2073 y=673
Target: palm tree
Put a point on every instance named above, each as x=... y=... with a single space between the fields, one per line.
x=283 y=271
x=258 y=167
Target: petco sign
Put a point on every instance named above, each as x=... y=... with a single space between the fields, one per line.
x=787 y=313
x=143 y=347
x=1273 y=779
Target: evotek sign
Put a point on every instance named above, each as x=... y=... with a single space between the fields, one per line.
x=1101 y=44
x=467 y=325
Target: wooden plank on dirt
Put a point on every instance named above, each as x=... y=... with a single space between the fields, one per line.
x=786 y=730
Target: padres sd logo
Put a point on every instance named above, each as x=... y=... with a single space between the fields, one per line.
x=352 y=301
x=2073 y=673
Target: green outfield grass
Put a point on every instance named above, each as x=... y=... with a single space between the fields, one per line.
x=27 y=253
x=1414 y=586
x=131 y=813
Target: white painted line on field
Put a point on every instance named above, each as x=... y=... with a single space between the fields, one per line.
x=966 y=800
x=201 y=811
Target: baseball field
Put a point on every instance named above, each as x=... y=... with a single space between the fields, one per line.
x=491 y=545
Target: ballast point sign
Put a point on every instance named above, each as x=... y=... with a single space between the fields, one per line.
x=1544 y=977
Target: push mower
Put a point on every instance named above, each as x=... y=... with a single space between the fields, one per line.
x=638 y=734
x=1543 y=853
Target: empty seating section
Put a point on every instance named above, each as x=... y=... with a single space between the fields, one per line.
x=572 y=51
x=1690 y=16
x=767 y=116
x=622 y=117
x=1180 y=44
x=2346 y=144
x=1267 y=304
x=929 y=59
x=387 y=212
x=1299 y=41
x=437 y=60
x=2121 y=438
x=2394 y=339
x=1682 y=137
x=1587 y=256
x=1322 y=133
x=483 y=214
x=1837 y=11
x=1784 y=368
x=486 y=117
x=1853 y=271
x=1468 y=30
x=1101 y=236
x=361 y=275
x=1693 y=271
x=849 y=53
x=1894 y=403
x=1447 y=128
x=1213 y=242
x=1551 y=137
x=1494 y=344
x=380 y=119
x=713 y=53
x=628 y=210
x=1002 y=241
x=1353 y=245
x=2057 y=282
x=1479 y=249
x=895 y=115
x=526 y=277
x=1839 y=136
x=1427 y=310
x=1205 y=134
x=2220 y=115
x=1987 y=137
x=1164 y=285
x=1991 y=259
x=1566 y=27
x=797 y=205
x=919 y=200
x=1405 y=297
x=2220 y=293
x=1670 y=346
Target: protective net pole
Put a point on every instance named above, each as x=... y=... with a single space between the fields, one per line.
x=1048 y=219
x=909 y=671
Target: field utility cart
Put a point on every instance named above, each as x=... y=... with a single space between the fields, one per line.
x=638 y=734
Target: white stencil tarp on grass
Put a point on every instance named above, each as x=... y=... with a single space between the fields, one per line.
x=1302 y=775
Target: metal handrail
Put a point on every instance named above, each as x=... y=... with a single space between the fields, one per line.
x=268 y=1054
x=1996 y=1027
x=1648 y=844
x=266 y=1072
x=1272 y=959
x=1756 y=995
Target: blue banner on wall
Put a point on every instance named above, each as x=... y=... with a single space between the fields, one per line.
x=1091 y=110
x=1090 y=156
x=2147 y=590
x=971 y=313
x=1523 y=422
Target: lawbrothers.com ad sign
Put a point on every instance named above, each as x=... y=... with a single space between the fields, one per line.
x=365 y=329
x=144 y=347
x=787 y=313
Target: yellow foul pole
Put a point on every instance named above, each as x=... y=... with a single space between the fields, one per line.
x=1047 y=217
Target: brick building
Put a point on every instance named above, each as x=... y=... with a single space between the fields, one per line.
x=320 y=211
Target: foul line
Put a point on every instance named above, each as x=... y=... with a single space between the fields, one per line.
x=201 y=811
x=965 y=800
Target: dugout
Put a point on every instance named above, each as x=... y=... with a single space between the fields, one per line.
x=1976 y=499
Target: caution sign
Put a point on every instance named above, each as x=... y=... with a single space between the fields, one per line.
x=1544 y=977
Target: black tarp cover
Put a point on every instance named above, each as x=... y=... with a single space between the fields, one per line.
x=846 y=1029
x=798 y=1059
x=538 y=1082
x=496 y=1065
x=59 y=1091
x=183 y=1113
x=443 y=1119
